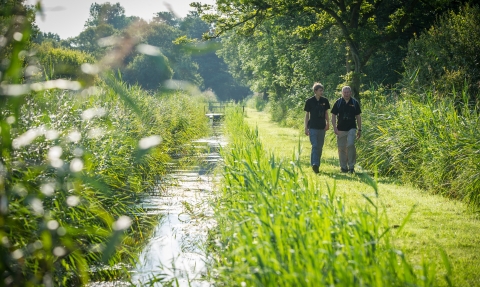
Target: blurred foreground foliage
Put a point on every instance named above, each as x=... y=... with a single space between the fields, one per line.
x=76 y=157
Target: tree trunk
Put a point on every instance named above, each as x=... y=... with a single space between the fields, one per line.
x=354 y=73
x=356 y=82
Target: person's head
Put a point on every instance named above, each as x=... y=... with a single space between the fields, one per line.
x=318 y=89
x=346 y=93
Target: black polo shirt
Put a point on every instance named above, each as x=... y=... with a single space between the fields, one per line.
x=346 y=113
x=317 y=110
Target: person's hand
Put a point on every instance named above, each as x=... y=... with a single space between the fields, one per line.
x=307 y=131
x=335 y=130
x=327 y=127
x=359 y=134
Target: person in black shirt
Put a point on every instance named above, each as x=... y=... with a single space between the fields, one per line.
x=316 y=123
x=347 y=111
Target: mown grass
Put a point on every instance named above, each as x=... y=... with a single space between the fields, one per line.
x=436 y=223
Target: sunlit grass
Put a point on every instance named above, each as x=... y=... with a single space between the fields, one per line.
x=436 y=223
x=279 y=225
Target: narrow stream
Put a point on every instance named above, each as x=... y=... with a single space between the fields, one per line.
x=175 y=253
x=174 y=256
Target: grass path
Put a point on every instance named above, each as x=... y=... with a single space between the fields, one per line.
x=436 y=223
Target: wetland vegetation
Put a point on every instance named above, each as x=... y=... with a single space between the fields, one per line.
x=89 y=125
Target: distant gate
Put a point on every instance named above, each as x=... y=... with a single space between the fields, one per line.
x=215 y=111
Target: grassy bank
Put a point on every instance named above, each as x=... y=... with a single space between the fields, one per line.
x=73 y=166
x=436 y=229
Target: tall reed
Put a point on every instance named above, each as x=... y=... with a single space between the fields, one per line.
x=73 y=166
x=276 y=227
x=74 y=160
x=434 y=144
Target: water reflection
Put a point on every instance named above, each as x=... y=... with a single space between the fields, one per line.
x=175 y=252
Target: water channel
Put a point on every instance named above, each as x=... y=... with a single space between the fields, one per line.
x=174 y=255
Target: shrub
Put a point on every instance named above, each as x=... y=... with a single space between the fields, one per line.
x=58 y=62
x=148 y=71
x=447 y=56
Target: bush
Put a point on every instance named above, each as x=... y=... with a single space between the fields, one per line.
x=61 y=62
x=57 y=62
x=148 y=71
x=446 y=57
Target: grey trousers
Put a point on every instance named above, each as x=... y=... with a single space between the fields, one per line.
x=347 y=154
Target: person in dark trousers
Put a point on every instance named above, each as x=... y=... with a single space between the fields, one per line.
x=346 y=111
x=316 y=123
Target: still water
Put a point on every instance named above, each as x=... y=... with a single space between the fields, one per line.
x=175 y=256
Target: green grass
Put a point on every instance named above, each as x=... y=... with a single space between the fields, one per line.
x=436 y=224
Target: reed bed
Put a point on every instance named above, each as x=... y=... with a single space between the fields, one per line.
x=433 y=144
x=73 y=167
x=276 y=227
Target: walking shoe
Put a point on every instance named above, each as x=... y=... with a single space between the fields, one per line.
x=351 y=170
x=315 y=168
x=344 y=170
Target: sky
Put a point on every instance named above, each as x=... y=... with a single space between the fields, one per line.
x=67 y=17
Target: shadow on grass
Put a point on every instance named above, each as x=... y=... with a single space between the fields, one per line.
x=360 y=174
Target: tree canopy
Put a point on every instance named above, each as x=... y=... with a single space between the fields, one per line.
x=447 y=57
x=364 y=27
x=175 y=40
x=107 y=13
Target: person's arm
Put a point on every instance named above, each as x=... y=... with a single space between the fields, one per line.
x=334 y=123
x=307 y=118
x=327 y=119
x=359 y=124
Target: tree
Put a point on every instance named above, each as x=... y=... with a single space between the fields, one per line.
x=167 y=18
x=447 y=56
x=42 y=36
x=148 y=71
x=366 y=26
x=216 y=77
x=211 y=68
x=194 y=26
x=87 y=40
x=112 y=14
x=163 y=36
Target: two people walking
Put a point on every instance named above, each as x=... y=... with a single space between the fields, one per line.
x=346 y=122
